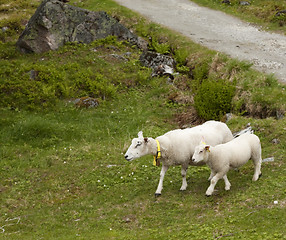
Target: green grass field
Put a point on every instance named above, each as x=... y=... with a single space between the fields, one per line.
x=62 y=169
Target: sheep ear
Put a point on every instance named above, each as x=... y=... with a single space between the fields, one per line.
x=207 y=147
x=140 y=134
x=203 y=141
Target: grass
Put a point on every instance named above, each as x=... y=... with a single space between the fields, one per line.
x=64 y=176
x=63 y=173
x=261 y=13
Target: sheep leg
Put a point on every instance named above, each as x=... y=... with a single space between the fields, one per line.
x=184 y=176
x=257 y=168
x=214 y=181
x=226 y=182
x=162 y=175
x=211 y=176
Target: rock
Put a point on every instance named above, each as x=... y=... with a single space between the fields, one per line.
x=119 y=57
x=270 y=159
x=275 y=141
x=279 y=115
x=244 y=3
x=226 y=2
x=33 y=74
x=228 y=117
x=154 y=59
x=54 y=23
x=161 y=64
x=111 y=165
x=86 y=102
x=126 y=220
x=162 y=70
x=4 y=29
x=142 y=44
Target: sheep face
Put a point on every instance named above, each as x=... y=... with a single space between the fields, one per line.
x=138 y=148
x=201 y=153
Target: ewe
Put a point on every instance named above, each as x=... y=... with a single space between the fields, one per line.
x=232 y=154
x=177 y=147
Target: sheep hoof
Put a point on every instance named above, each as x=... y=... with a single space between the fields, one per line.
x=209 y=193
x=257 y=177
x=157 y=194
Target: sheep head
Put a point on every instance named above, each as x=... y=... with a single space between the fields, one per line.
x=201 y=153
x=138 y=148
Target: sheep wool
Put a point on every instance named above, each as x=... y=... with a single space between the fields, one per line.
x=233 y=154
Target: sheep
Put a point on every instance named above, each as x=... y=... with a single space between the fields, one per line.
x=233 y=154
x=177 y=147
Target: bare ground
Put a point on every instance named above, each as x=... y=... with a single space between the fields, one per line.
x=218 y=31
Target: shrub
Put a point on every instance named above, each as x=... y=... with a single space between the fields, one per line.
x=180 y=56
x=200 y=73
x=31 y=86
x=163 y=48
x=214 y=99
x=94 y=85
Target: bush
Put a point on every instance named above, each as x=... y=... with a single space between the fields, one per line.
x=200 y=73
x=214 y=99
x=180 y=56
x=94 y=85
x=30 y=86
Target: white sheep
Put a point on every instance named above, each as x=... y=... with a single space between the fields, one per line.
x=233 y=154
x=177 y=147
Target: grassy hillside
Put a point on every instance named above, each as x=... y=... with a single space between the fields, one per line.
x=263 y=13
x=62 y=170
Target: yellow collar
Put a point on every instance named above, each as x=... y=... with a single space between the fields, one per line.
x=156 y=162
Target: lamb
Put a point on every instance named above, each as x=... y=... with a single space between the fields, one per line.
x=233 y=154
x=176 y=147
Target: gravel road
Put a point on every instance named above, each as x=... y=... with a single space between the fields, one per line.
x=218 y=31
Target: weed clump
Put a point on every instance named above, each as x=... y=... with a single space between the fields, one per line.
x=163 y=48
x=280 y=18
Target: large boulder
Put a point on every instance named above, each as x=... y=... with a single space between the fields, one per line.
x=55 y=23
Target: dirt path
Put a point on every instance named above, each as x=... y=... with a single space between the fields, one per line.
x=218 y=31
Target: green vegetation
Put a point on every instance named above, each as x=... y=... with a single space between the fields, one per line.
x=262 y=12
x=42 y=80
x=63 y=174
x=213 y=99
x=13 y=17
